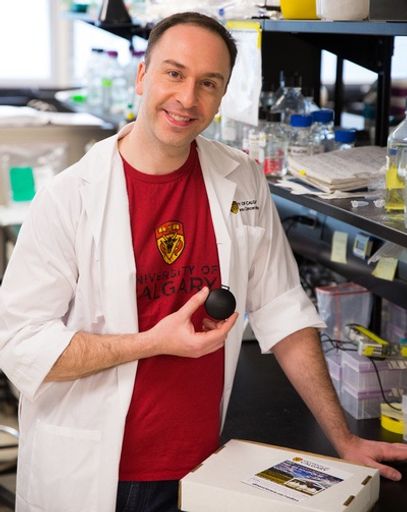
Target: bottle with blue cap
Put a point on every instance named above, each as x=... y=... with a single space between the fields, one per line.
x=300 y=142
x=345 y=138
x=322 y=131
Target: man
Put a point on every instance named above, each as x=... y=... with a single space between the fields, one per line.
x=109 y=275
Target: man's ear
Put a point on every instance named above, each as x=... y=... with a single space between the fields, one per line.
x=141 y=73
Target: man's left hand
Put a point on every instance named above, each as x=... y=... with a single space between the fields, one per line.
x=373 y=453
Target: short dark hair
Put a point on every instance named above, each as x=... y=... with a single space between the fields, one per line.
x=192 y=18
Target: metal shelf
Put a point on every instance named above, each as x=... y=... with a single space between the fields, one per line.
x=377 y=28
x=314 y=242
x=368 y=218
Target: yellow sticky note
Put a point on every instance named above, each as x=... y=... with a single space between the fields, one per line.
x=386 y=268
x=339 y=244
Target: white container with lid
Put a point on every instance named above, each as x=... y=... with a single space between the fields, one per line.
x=343 y=9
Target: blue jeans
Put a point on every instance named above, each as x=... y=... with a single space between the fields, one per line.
x=159 y=496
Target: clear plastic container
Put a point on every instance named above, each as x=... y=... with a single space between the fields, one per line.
x=397 y=316
x=300 y=142
x=396 y=165
x=334 y=363
x=362 y=405
x=345 y=138
x=322 y=130
x=358 y=372
x=343 y=304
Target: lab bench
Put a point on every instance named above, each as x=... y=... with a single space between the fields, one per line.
x=265 y=407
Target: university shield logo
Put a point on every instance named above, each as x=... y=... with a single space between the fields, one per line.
x=170 y=240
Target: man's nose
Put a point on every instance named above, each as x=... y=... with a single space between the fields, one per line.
x=187 y=94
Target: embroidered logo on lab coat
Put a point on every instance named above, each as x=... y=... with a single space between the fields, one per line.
x=170 y=240
x=235 y=207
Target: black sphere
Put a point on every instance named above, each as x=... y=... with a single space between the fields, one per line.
x=220 y=303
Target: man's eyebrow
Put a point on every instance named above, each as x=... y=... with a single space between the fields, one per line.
x=210 y=74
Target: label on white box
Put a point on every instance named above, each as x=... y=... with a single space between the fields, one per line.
x=297 y=479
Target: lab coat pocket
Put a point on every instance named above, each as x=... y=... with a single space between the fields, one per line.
x=248 y=239
x=65 y=467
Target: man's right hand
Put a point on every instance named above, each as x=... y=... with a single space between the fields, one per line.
x=89 y=353
x=175 y=334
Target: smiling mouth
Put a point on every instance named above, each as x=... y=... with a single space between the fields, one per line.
x=178 y=119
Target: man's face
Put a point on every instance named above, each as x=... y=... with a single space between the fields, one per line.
x=183 y=85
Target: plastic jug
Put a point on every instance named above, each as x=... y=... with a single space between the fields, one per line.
x=299 y=9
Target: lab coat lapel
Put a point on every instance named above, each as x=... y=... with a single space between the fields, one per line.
x=106 y=204
x=215 y=168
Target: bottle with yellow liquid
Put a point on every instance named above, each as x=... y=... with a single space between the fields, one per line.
x=396 y=169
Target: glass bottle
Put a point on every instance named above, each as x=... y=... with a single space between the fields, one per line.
x=275 y=153
x=396 y=166
x=323 y=133
x=291 y=101
x=310 y=105
x=300 y=142
x=345 y=138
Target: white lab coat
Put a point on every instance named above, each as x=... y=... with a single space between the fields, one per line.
x=73 y=269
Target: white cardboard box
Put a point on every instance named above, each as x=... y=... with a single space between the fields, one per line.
x=245 y=476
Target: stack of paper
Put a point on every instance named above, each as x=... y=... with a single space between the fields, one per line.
x=344 y=170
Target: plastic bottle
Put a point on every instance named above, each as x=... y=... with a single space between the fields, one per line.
x=300 y=142
x=322 y=130
x=345 y=138
x=275 y=153
x=291 y=101
x=114 y=86
x=396 y=168
x=130 y=72
x=93 y=78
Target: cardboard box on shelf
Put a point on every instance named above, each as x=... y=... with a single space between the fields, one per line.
x=245 y=475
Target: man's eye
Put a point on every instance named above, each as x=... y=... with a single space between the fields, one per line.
x=174 y=74
x=208 y=84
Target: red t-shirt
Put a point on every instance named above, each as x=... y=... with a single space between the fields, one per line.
x=174 y=417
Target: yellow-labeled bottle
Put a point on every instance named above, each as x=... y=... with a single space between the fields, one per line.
x=396 y=169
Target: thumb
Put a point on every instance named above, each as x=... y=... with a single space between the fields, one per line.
x=194 y=302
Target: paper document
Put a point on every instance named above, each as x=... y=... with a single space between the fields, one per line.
x=339 y=170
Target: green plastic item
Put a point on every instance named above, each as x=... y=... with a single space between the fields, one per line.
x=22 y=183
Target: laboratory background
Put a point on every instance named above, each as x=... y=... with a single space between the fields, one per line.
x=318 y=98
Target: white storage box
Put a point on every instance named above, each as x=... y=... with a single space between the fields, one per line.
x=358 y=372
x=244 y=476
x=363 y=405
x=334 y=363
